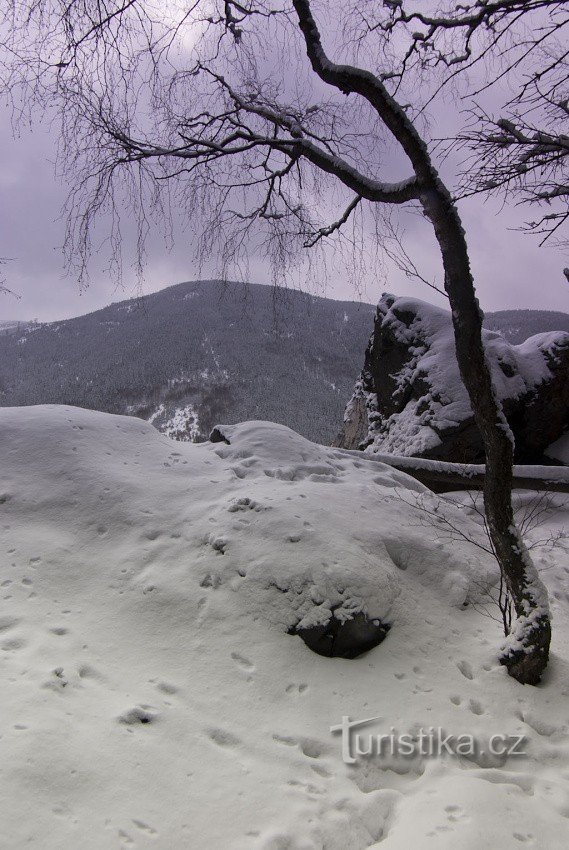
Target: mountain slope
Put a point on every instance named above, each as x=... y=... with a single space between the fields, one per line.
x=195 y=354
x=518 y=325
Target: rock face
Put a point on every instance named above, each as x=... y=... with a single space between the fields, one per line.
x=410 y=399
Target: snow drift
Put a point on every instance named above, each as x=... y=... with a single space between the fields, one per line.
x=152 y=696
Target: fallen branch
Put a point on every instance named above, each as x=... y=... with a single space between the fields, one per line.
x=443 y=477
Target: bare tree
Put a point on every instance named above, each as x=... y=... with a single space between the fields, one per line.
x=513 y=52
x=260 y=148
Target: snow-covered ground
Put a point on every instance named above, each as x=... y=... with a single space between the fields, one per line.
x=152 y=698
x=560 y=449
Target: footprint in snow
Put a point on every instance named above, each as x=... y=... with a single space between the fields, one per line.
x=11 y=644
x=466 y=669
x=293 y=688
x=321 y=770
x=167 y=688
x=142 y=714
x=523 y=838
x=223 y=738
x=86 y=671
x=243 y=662
x=144 y=827
x=455 y=814
x=309 y=747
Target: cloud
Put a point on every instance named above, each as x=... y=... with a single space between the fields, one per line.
x=510 y=269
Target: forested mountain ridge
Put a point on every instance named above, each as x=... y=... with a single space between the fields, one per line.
x=201 y=352
x=194 y=354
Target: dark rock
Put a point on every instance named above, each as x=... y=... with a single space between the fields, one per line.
x=343 y=638
x=217 y=436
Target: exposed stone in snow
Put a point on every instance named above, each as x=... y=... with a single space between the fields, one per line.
x=342 y=637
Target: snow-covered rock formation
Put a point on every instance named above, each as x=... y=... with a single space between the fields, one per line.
x=410 y=399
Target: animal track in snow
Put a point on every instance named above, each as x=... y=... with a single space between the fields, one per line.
x=144 y=827
x=7 y=623
x=455 y=813
x=523 y=838
x=466 y=669
x=286 y=740
x=293 y=688
x=86 y=671
x=210 y=580
x=167 y=688
x=243 y=662
x=223 y=738
x=321 y=770
x=12 y=644
x=309 y=747
x=143 y=714
x=246 y=504
x=218 y=543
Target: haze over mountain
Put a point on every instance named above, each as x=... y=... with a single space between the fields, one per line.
x=198 y=353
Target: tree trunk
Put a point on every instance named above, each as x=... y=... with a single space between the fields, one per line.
x=527 y=650
x=526 y=653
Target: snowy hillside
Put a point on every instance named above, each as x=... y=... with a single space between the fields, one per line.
x=152 y=697
x=518 y=325
x=195 y=354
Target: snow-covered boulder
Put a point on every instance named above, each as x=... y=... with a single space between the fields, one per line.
x=410 y=399
x=310 y=538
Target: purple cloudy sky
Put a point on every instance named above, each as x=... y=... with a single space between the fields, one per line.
x=511 y=271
